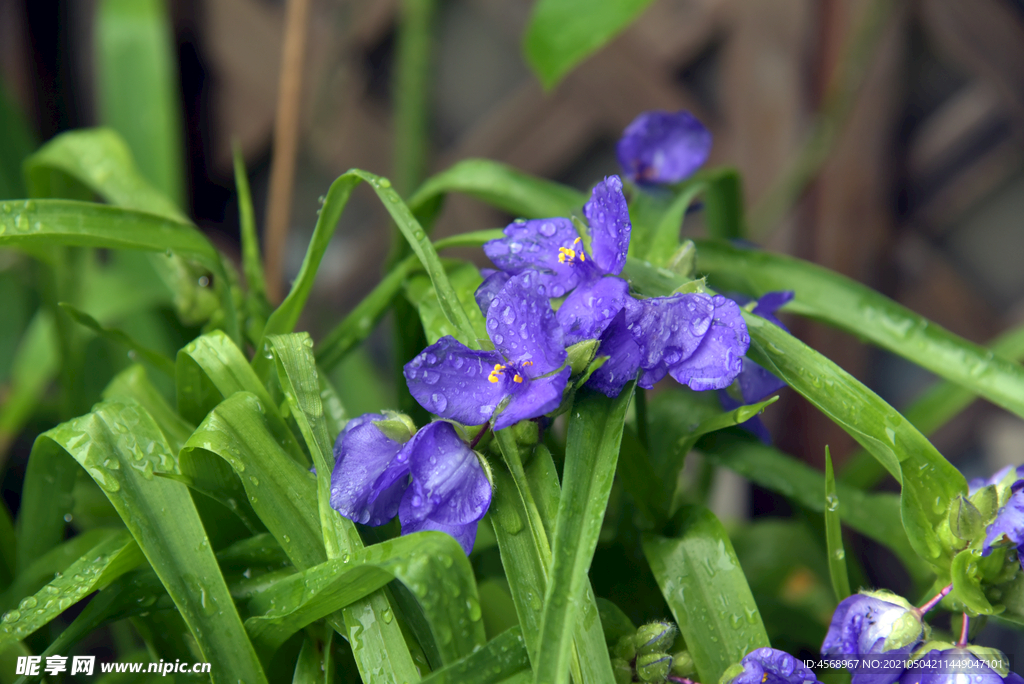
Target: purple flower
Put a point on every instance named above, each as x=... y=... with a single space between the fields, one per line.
x=623 y=354
x=956 y=665
x=756 y=383
x=1008 y=525
x=997 y=479
x=772 y=666
x=696 y=338
x=660 y=147
x=871 y=623
x=433 y=481
x=553 y=248
x=522 y=373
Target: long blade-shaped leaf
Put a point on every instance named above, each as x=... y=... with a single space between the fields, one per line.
x=834 y=535
x=423 y=562
x=707 y=592
x=850 y=306
x=502 y=657
x=121 y=447
x=595 y=431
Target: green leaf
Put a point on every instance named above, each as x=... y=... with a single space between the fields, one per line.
x=465 y=279
x=132 y=384
x=154 y=358
x=257 y=305
x=595 y=432
x=283 y=494
x=850 y=306
x=562 y=33
x=137 y=78
x=501 y=186
x=422 y=561
x=665 y=239
x=707 y=592
x=834 y=535
x=95 y=569
x=8 y=548
x=45 y=500
x=876 y=516
x=121 y=447
x=34 y=365
x=500 y=658
x=48 y=223
x=967 y=583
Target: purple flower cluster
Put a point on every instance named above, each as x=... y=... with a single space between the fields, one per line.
x=431 y=480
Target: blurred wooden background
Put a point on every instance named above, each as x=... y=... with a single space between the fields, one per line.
x=915 y=109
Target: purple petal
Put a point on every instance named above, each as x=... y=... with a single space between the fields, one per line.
x=771 y=666
x=719 y=358
x=860 y=626
x=771 y=302
x=523 y=327
x=590 y=308
x=661 y=147
x=448 y=484
x=610 y=227
x=535 y=245
x=537 y=397
x=623 y=358
x=493 y=282
x=368 y=480
x=1009 y=522
x=451 y=381
x=756 y=383
x=464 y=534
x=670 y=329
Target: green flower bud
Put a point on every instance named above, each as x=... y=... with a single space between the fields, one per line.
x=986 y=500
x=625 y=648
x=683 y=665
x=965 y=520
x=526 y=432
x=622 y=671
x=653 y=667
x=655 y=636
x=397 y=426
x=731 y=673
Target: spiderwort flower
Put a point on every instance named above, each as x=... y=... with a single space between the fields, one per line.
x=754 y=382
x=453 y=381
x=770 y=666
x=554 y=249
x=432 y=480
x=661 y=147
x=873 y=622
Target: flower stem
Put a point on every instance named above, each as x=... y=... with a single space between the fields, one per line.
x=963 y=632
x=934 y=601
x=480 y=435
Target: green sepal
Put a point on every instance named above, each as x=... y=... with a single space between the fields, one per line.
x=396 y=426
x=906 y=630
x=965 y=520
x=581 y=354
x=731 y=673
x=653 y=667
x=991 y=657
x=986 y=500
x=684 y=260
x=700 y=285
x=655 y=637
x=967 y=588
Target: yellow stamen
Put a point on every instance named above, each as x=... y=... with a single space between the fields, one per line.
x=496 y=373
x=567 y=254
x=517 y=378
x=527 y=363
x=764 y=678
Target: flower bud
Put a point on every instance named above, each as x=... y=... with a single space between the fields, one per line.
x=581 y=354
x=655 y=636
x=622 y=671
x=653 y=667
x=683 y=665
x=965 y=520
x=872 y=622
x=625 y=648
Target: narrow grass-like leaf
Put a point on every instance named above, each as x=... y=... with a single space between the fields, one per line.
x=309 y=668
x=252 y=263
x=639 y=479
x=120 y=446
x=933 y=409
x=500 y=658
x=100 y=565
x=465 y=278
x=707 y=592
x=134 y=385
x=138 y=90
x=834 y=535
x=562 y=33
x=850 y=306
x=499 y=185
x=875 y=515
x=45 y=500
x=665 y=238
x=423 y=562
x=283 y=494
x=153 y=357
x=723 y=204
x=595 y=432
x=34 y=365
x=47 y=223
x=527 y=557
x=8 y=547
